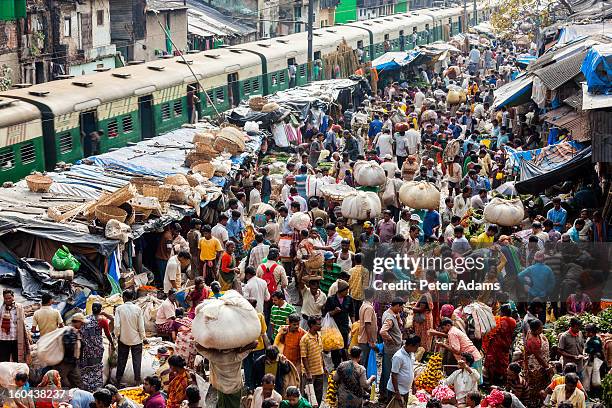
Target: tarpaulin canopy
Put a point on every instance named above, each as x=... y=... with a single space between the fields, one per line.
x=568 y=170
x=514 y=93
x=594 y=101
x=55 y=232
x=597 y=68
x=525 y=60
x=390 y=61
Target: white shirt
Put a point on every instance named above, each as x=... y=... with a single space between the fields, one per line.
x=449 y=233
x=385 y=144
x=463 y=382
x=403 y=228
x=166 y=311
x=173 y=272
x=285 y=192
x=478 y=203
x=461 y=205
x=419 y=97
x=254 y=198
x=220 y=232
x=310 y=306
x=413 y=138
x=129 y=324
x=299 y=199
x=256 y=288
x=402 y=364
x=475 y=56
x=390 y=168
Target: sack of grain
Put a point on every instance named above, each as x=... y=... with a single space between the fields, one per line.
x=363 y=205
x=369 y=174
x=50 y=347
x=270 y=107
x=299 y=221
x=420 y=194
x=506 y=213
x=226 y=323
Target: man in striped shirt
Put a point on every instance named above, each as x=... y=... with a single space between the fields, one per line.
x=280 y=311
x=311 y=352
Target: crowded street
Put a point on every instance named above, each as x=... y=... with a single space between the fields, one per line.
x=418 y=222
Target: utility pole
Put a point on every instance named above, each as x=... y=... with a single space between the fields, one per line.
x=310 y=38
x=475 y=13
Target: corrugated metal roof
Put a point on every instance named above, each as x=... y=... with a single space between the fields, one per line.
x=555 y=114
x=600 y=122
x=164 y=5
x=555 y=75
x=575 y=101
x=207 y=21
x=575 y=122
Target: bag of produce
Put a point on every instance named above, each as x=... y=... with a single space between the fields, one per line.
x=420 y=194
x=506 y=213
x=64 y=260
x=50 y=348
x=369 y=174
x=330 y=334
x=300 y=221
x=363 y=205
x=8 y=370
x=226 y=323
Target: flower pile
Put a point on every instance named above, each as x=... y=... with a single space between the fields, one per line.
x=495 y=399
x=432 y=375
x=135 y=394
x=422 y=396
x=443 y=392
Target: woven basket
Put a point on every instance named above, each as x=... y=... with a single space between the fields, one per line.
x=176 y=180
x=256 y=103
x=315 y=261
x=179 y=195
x=162 y=193
x=37 y=183
x=205 y=169
x=206 y=148
x=192 y=158
x=105 y=213
x=207 y=137
x=138 y=182
x=193 y=182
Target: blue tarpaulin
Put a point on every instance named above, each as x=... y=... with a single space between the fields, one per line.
x=514 y=93
x=525 y=60
x=394 y=60
x=597 y=69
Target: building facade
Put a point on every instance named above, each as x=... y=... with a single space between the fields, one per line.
x=354 y=10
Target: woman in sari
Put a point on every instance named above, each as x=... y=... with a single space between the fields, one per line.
x=353 y=386
x=183 y=337
x=50 y=381
x=537 y=363
x=228 y=269
x=422 y=321
x=92 y=352
x=197 y=295
x=178 y=383
x=496 y=346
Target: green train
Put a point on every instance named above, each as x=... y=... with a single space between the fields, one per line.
x=43 y=124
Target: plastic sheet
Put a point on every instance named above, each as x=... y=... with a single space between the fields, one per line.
x=597 y=69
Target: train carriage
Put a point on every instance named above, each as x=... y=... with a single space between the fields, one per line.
x=21 y=141
x=46 y=123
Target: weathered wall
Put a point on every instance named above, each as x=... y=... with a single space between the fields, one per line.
x=155 y=38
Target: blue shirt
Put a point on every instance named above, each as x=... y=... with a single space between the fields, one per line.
x=574 y=234
x=557 y=216
x=300 y=184
x=81 y=398
x=542 y=279
x=330 y=142
x=432 y=220
x=477 y=185
x=456 y=130
x=375 y=128
x=234 y=228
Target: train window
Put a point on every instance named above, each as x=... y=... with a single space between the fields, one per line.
x=281 y=77
x=302 y=71
x=65 y=142
x=28 y=153
x=112 y=128
x=274 y=80
x=220 y=96
x=126 y=123
x=165 y=111
x=386 y=37
x=211 y=97
x=7 y=159
x=178 y=108
x=246 y=86
x=255 y=84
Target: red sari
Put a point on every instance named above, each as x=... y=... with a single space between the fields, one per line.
x=196 y=297
x=496 y=346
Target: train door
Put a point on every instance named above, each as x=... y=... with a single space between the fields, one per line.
x=193 y=103
x=402 y=41
x=233 y=89
x=145 y=110
x=88 y=122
